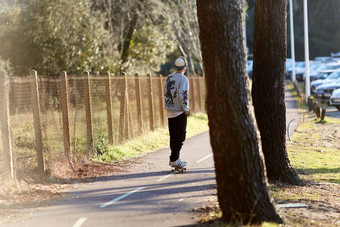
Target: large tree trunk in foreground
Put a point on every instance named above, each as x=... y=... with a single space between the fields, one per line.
x=270 y=51
x=240 y=171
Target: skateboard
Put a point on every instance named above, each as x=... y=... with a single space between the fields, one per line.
x=178 y=169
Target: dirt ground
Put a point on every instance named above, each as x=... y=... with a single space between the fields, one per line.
x=32 y=192
x=321 y=211
x=323 y=205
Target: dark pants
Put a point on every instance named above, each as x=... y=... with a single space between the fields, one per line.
x=177 y=131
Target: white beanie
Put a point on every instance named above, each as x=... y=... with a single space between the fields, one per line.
x=180 y=63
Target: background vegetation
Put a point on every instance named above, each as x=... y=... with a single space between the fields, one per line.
x=323 y=25
x=152 y=141
x=97 y=35
x=141 y=36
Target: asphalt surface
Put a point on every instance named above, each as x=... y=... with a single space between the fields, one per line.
x=332 y=112
x=293 y=116
x=148 y=194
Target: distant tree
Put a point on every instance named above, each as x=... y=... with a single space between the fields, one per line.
x=51 y=36
x=240 y=170
x=139 y=31
x=268 y=91
x=183 y=18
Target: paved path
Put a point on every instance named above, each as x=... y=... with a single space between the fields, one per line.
x=148 y=194
x=293 y=117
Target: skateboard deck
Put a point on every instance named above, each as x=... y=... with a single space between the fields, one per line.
x=178 y=169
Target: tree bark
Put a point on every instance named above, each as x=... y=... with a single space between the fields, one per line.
x=240 y=171
x=268 y=91
x=128 y=38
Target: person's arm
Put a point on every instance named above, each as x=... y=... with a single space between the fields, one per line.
x=184 y=95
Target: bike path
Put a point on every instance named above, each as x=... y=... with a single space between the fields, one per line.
x=147 y=194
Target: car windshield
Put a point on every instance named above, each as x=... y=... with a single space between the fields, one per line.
x=322 y=75
x=334 y=75
x=315 y=65
x=321 y=67
x=337 y=81
x=333 y=67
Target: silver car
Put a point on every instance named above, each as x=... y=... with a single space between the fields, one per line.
x=330 y=79
x=335 y=99
x=324 y=92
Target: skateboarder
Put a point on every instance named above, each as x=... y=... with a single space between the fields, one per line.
x=176 y=91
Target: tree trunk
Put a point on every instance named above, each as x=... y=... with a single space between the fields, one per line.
x=268 y=91
x=129 y=36
x=240 y=170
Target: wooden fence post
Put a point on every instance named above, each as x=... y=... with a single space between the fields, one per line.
x=193 y=98
x=5 y=125
x=64 y=111
x=108 y=94
x=161 y=100
x=139 y=103
x=128 y=119
x=199 y=93
x=37 y=122
x=122 y=117
x=88 y=112
x=151 y=105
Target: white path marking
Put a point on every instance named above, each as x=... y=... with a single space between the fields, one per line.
x=79 y=222
x=120 y=197
x=292 y=205
x=206 y=157
x=166 y=176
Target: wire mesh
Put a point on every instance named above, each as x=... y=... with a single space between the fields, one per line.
x=120 y=108
x=22 y=125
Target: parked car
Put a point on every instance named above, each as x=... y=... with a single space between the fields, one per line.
x=322 y=70
x=331 y=78
x=289 y=68
x=314 y=68
x=299 y=70
x=323 y=74
x=324 y=92
x=335 y=99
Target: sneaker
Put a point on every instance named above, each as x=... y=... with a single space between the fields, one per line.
x=178 y=162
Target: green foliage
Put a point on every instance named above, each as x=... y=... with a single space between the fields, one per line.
x=5 y=65
x=151 y=141
x=75 y=36
x=81 y=145
x=313 y=158
x=52 y=36
x=101 y=146
x=150 y=48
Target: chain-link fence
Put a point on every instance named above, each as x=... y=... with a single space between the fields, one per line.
x=63 y=119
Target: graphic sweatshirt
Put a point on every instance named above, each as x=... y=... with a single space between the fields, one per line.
x=176 y=92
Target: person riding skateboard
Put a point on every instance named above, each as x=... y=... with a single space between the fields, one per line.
x=176 y=91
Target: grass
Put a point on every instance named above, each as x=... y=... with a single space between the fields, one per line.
x=311 y=155
x=302 y=105
x=315 y=157
x=151 y=141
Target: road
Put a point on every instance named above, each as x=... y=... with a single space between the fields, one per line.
x=148 y=194
x=332 y=112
